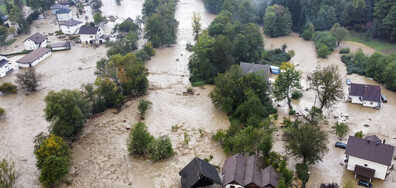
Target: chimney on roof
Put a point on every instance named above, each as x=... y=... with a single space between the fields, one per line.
x=378 y=142
x=365 y=89
x=383 y=141
x=368 y=141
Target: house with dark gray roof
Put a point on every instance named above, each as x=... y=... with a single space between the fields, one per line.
x=263 y=70
x=240 y=171
x=369 y=157
x=91 y=35
x=70 y=26
x=54 y=8
x=33 y=58
x=5 y=66
x=367 y=95
x=199 y=173
x=64 y=14
x=35 y=41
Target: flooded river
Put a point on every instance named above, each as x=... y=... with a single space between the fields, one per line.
x=100 y=156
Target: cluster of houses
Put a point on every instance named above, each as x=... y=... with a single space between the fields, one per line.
x=238 y=171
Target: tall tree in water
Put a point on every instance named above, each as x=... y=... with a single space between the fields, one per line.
x=277 y=21
x=41 y=5
x=326 y=82
x=196 y=25
x=285 y=83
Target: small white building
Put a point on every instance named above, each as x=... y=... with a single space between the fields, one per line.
x=33 y=58
x=5 y=67
x=64 y=14
x=35 y=41
x=60 y=46
x=70 y=26
x=56 y=7
x=367 y=95
x=369 y=157
x=91 y=35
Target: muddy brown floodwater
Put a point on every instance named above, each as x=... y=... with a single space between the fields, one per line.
x=100 y=156
x=381 y=122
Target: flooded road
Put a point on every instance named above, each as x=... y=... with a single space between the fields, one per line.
x=381 y=122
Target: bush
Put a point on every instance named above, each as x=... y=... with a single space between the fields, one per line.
x=359 y=134
x=302 y=172
x=59 y=32
x=345 y=51
x=292 y=112
x=8 y=175
x=29 y=81
x=296 y=94
x=53 y=158
x=2 y=112
x=33 y=16
x=341 y=130
x=160 y=148
x=8 y=88
x=286 y=121
x=307 y=34
x=275 y=116
x=139 y=139
x=143 y=106
x=323 y=51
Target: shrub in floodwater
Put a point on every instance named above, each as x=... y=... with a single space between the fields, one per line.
x=341 y=130
x=29 y=81
x=139 y=139
x=359 y=134
x=296 y=94
x=160 y=148
x=175 y=128
x=345 y=51
x=8 y=175
x=292 y=112
x=201 y=132
x=143 y=106
x=2 y=112
x=302 y=172
x=8 y=87
x=187 y=138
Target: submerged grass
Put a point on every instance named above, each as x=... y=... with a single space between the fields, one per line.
x=384 y=47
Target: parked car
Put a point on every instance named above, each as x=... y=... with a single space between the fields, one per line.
x=340 y=145
x=348 y=81
x=365 y=184
x=383 y=98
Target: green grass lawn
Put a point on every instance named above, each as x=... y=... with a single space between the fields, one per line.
x=378 y=45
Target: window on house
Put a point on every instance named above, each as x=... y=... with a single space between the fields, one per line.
x=91 y=37
x=371 y=103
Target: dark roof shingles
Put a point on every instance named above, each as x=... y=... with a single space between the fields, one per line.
x=234 y=169
x=197 y=169
x=367 y=92
x=70 y=22
x=3 y=62
x=37 y=38
x=88 y=30
x=369 y=150
x=252 y=171
x=270 y=177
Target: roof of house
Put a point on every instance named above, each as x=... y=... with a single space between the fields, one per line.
x=3 y=62
x=196 y=170
x=88 y=30
x=252 y=67
x=37 y=38
x=373 y=138
x=56 y=6
x=270 y=177
x=234 y=169
x=364 y=171
x=60 y=44
x=70 y=22
x=252 y=171
x=247 y=171
x=63 y=11
x=369 y=150
x=64 y=2
x=367 y=92
x=33 y=56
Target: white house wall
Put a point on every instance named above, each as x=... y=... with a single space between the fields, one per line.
x=70 y=29
x=86 y=38
x=30 y=45
x=380 y=169
x=370 y=103
x=64 y=17
x=356 y=100
x=4 y=69
x=43 y=44
x=26 y=65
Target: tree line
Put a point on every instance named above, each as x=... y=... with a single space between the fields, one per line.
x=374 y=18
x=381 y=68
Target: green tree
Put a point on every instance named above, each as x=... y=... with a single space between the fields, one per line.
x=302 y=172
x=142 y=107
x=306 y=141
x=3 y=35
x=308 y=31
x=213 y=6
x=54 y=169
x=29 y=81
x=8 y=88
x=99 y=18
x=325 y=18
x=139 y=139
x=41 y=5
x=341 y=130
x=2 y=112
x=338 y=32
x=327 y=84
x=359 y=134
x=108 y=91
x=277 y=21
x=8 y=174
x=67 y=111
x=285 y=83
x=196 y=25
x=160 y=148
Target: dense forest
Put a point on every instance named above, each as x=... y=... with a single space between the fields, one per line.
x=374 y=18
